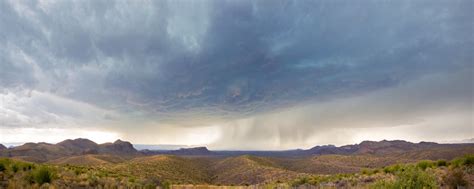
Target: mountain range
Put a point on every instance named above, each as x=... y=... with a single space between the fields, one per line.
x=43 y=152
x=200 y=165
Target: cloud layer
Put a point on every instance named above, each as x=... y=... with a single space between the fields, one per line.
x=277 y=74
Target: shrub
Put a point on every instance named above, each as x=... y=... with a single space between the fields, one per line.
x=441 y=163
x=454 y=178
x=414 y=178
x=423 y=165
x=166 y=185
x=2 y=167
x=15 y=168
x=365 y=171
x=456 y=162
x=392 y=169
x=411 y=177
x=40 y=176
x=382 y=184
x=468 y=160
x=300 y=181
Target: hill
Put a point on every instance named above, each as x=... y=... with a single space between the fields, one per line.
x=336 y=164
x=89 y=160
x=43 y=152
x=244 y=170
x=167 y=168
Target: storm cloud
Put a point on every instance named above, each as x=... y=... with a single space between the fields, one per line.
x=277 y=74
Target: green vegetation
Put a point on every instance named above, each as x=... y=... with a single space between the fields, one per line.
x=423 y=165
x=2 y=167
x=42 y=175
x=441 y=163
x=168 y=171
x=455 y=178
x=424 y=174
x=409 y=177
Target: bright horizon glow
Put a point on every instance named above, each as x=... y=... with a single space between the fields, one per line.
x=54 y=135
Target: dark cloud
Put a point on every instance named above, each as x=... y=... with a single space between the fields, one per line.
x=211 y=60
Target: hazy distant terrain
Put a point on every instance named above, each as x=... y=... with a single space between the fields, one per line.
x=120 y=160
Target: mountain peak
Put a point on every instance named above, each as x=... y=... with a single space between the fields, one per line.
x=118 y=141
x=118 y=147
x=2 y=147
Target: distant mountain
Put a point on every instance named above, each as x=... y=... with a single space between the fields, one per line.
x=199 y=151
x=384 y=147
x=119 y=147
x=161 y=146
x=42 y=152
x=80 y=146
x=2 y=147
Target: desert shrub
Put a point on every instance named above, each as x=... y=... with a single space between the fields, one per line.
x=93 y=180
x=2 y=166
x=369 y=171
x=300 y=181
x=77 y=171
x=392 y=169
x=454 y=178
x=41 y=175
x=4 y=163
x=365 y=171
x=166 y=185
x=441 y=163
x=458 y=162
x=410 y=177
x=468 y=160
x=382 y=184
x=423 y=165
x=415 y=178
x=15 y=167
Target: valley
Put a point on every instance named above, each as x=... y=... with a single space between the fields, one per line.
x=83 y=163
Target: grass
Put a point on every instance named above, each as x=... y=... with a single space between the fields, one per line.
x=423 y=174
x=180 y=171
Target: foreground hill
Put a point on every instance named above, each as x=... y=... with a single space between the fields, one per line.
x=89 y=160
x=167 y=168
x=244 y=170
x=336 y=164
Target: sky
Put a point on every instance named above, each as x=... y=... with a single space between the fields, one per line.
x=257 y=75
